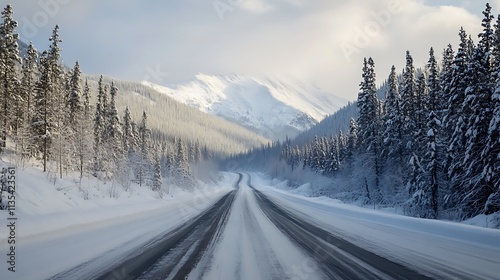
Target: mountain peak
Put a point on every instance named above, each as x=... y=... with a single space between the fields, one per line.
x=273 y=107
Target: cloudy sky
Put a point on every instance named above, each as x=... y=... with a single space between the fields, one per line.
x=317 y=41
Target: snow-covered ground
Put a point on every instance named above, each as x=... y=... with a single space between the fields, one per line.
x=86 y=231
x=61 y=227
x=443 y=248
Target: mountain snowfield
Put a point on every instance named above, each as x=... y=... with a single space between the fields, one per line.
x=273 y=107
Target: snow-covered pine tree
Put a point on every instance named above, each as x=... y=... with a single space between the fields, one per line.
x=342 y=143
x=182 y=174
x=435 y=104
x=87 y=108
x=324 y=148
x=490 y=174
x=197 y=152
x=369 y=126
x=136 y=138
x=477 y=108
x=421 y=102
x=99 y=125
x=157 y=173
x=113 y=133
x=352 y=138
x=143 y=167
x=392 y=135
x=433 y=164
x=455 y=123
x=408 y=91
x=61 y=129
x=368 y=106
x=83 y=131
x=445 y=78
x=495 y=53
x=170 y=163
x=74 y=101
x=42 y=112
x=129 y=139
x=74 y=106
x=9 y=62
x=306 y=156
x=455 y=91
x=391 y=149
x=28 y=86
x=436 y=149
x=296 y=157
x=332 y=162
x=424 y=198
x=416 y=179
x=163 y=158
x=318 y=154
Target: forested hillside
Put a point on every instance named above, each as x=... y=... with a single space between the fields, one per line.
x=174 y=119
x=55 y=117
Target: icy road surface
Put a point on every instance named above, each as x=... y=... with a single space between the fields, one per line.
x=254 y=231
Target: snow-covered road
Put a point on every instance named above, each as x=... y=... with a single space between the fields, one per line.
x=252 y=247
x=254 y=231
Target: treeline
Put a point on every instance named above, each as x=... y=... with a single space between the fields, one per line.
x=46 y=114
x=433 y=144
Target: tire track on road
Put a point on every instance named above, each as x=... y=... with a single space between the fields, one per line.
x=176 y=253
x=337 y=258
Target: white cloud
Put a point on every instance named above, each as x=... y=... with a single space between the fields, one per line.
x=299 y=38
x=256 y=6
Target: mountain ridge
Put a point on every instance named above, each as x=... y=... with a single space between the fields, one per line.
x=273 y=107
x=177 y=120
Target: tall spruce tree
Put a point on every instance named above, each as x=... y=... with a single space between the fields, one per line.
x=74 y=110
x=415 y=182
x=408 y=101
x=435 y=104
x=113 y=133
x=445 y=77
x=74 y=101
x=99 y=125
x=129 y=139
x=455 y=123
x=478 y=111
x=424 y=196
x=369 y=126
x=490 y=174
x=143 y=168
x=28 y=87
x=58 y=120
x=392 y=135
x=83 y=131
x=157 y=174
x=41 y=125
x=9 y=60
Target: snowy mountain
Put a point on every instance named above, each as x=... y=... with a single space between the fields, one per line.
x=273 y=107
x=174 y=119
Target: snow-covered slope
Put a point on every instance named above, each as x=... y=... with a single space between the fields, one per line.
x=270 y=106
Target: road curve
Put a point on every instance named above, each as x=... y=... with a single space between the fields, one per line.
x=337 y=258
